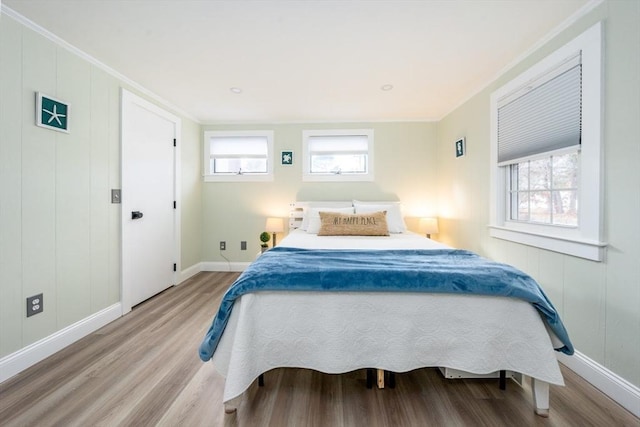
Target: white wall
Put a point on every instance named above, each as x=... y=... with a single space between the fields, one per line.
x=599 y=302
x=59 y=233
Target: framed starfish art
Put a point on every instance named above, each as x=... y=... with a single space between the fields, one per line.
x=52 y=113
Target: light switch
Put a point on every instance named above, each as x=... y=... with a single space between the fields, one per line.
x=115 y=195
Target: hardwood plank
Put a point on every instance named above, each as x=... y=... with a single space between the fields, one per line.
x=144 y=370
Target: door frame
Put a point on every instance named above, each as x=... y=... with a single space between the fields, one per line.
x=128 y=100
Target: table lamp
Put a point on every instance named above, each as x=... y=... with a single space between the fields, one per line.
x=274 y=225
x=428 y=226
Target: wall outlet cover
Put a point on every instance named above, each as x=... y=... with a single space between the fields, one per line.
x=35 y=305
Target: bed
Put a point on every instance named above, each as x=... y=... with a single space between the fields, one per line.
x=348 y=327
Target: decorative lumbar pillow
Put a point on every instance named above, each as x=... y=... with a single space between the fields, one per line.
x=338 y=224
x=394 y=213
x=313 y=223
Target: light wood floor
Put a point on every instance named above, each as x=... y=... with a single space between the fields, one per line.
x=143 y=370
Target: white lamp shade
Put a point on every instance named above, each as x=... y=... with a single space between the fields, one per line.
x=428 y=225
x=274 y=225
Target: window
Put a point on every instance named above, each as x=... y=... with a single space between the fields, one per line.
x=338 y=155
x=238 y=156
x=544 y=191
x=546 y=144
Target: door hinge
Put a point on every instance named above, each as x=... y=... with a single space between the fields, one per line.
x=174 y=142
x=175 y=267
x=174 y=204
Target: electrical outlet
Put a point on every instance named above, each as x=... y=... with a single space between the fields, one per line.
x=223 y=245
x=243 y=246
x=35 y=305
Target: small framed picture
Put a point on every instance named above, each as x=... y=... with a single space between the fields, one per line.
x=286 y=158
x=460 y=148
x=52 y=113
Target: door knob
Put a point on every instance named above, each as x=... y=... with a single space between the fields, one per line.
x=136 y=215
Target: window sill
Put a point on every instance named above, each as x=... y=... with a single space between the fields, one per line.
x=337 y=178
x=591 y=250
x=238 y=178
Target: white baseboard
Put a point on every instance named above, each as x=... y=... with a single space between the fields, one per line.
x=22 y=359
x=212 y=266
x=225 y=266
x=617 y=388
x=190 y=272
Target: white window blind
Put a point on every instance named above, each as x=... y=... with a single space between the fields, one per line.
x=238 y=146
x=542 y=116
x=343 y=144
x=338 y=154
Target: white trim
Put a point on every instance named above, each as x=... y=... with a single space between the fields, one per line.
x=189 y=272
x=28 y=356
x=90 y=59
x=588 y=235
x=246 y=177
x=359 y=121
x=177 y=198
x=224 y=266
x=594 y=251
x=307 y=176
x=617 y=388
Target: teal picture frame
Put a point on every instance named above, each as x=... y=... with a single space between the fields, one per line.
x=460 y=147
x=52 y=113
x=286 y=158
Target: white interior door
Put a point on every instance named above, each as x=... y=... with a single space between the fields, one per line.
x=148 y=194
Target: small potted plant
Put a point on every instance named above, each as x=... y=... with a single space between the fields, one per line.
x=264 y=239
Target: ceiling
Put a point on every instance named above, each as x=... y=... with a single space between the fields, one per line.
x=304 y=61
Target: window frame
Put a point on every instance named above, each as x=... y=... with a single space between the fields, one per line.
x=585 y=240
x=208 y=176
x=307 y=175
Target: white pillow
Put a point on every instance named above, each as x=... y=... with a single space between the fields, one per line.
x=314 y=217
x=395 y=220
x=326 y=206
x=305 y=219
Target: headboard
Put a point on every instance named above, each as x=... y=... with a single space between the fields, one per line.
x=296 y=210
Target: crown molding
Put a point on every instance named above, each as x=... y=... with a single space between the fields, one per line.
x=4 y=10
x=584 y=10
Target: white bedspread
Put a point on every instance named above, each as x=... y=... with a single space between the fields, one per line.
x=342 y=332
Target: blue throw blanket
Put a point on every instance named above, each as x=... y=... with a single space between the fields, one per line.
x=436 y=271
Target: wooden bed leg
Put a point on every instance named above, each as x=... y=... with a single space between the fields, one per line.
x=380 y=378
x=503 y=380
x=369 y=378
x=261 y=380
x=540 y=397
x=231 y=406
